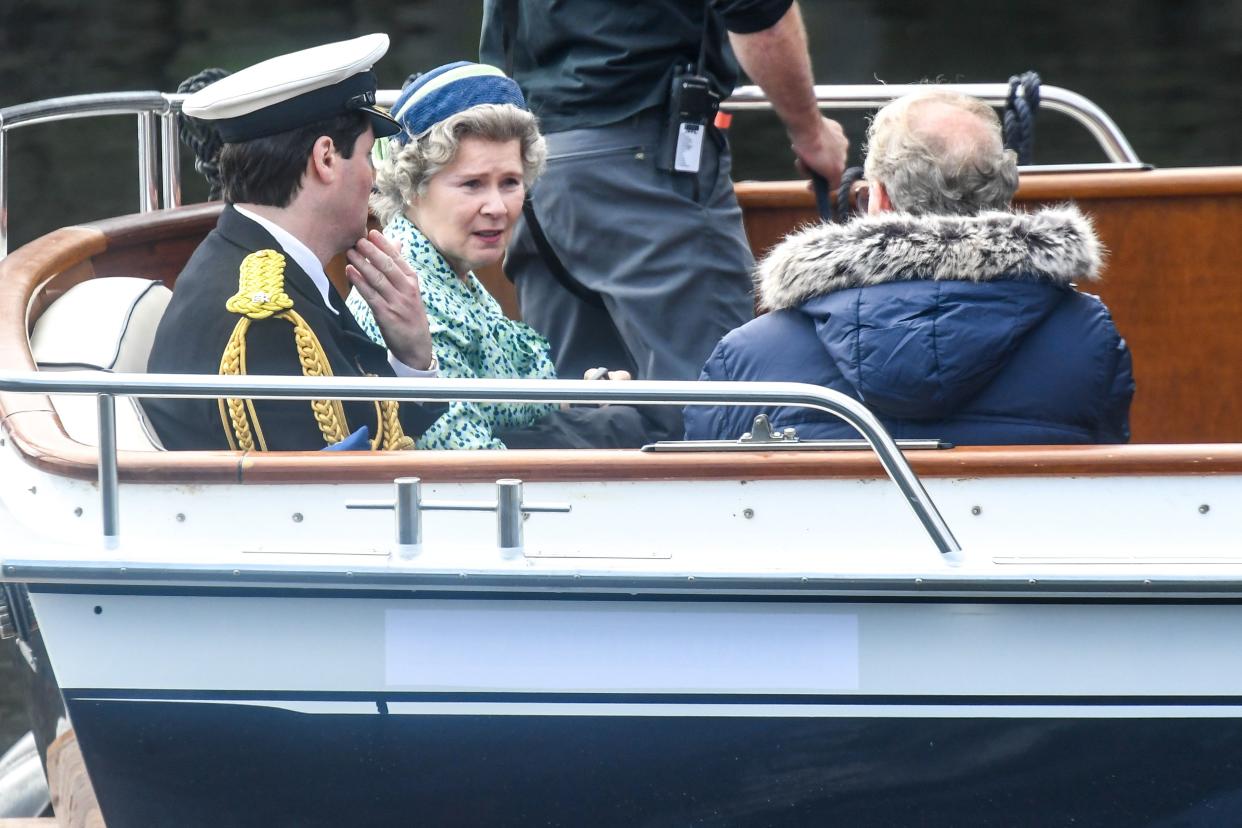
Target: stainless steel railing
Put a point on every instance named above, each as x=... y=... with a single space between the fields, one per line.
x=1105 y=131
x=159 y=151
x=107 y=386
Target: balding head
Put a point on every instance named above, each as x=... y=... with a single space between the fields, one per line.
x=940 y=153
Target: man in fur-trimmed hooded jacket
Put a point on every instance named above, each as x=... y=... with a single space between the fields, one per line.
x=946 y=314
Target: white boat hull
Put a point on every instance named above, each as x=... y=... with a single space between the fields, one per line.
x=518 y=708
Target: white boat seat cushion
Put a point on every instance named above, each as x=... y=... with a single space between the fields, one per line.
x=105 y=324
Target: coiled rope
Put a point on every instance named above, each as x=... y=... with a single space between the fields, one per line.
x=201 y=136
x=845 y=210
x=840 y=210
x=261 y=295
x=1019 y=123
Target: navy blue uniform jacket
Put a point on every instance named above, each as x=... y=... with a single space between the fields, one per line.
x=196 y=327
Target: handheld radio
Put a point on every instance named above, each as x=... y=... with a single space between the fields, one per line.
x=692 y=106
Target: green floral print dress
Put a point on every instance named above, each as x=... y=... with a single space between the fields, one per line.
x=471 y=338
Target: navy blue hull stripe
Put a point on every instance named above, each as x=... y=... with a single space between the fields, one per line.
x=207 y=765
x=651 y=698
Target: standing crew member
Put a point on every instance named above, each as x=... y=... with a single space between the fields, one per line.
x=254 y=298
x=644 y=263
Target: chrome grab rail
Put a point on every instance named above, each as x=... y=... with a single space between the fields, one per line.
x=108 y=386
x=148 y=107
x=159 y=151
x=868 y=96
x=87 y=106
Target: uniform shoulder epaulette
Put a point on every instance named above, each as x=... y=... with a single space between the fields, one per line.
x=261 y=295
x=260 y=286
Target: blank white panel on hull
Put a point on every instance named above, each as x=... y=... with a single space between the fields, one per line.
x=394 y=645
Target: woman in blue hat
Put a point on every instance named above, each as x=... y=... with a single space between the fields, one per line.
x=448 y=192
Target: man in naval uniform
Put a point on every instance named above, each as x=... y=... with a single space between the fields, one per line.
x=254 y=298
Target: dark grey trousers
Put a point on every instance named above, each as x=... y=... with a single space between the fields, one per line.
x=667 y=252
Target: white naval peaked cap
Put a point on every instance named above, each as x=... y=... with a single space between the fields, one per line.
x=296 y=89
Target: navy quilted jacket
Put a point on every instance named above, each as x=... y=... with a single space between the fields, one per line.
x=1017 y=356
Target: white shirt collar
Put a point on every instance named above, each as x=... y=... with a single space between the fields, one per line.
x=301 y=254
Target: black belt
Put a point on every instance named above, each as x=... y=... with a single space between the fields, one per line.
x=555 y=266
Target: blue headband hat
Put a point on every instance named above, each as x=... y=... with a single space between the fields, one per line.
x=443 y=92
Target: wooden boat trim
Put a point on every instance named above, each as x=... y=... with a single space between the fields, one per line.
x=1176 y=183
x=34 y=275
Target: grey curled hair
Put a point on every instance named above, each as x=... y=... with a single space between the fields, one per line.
x=403 y=175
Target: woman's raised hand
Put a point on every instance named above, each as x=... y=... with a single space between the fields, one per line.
x=390 y=286
x=605 y=374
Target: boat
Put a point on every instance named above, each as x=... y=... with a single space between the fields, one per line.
x=773 y=633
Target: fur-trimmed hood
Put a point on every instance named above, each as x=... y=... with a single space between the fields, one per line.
x=1056 y=245
x=965 y=329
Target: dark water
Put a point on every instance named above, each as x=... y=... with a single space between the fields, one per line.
x=13 y=719
x=1165 y=70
